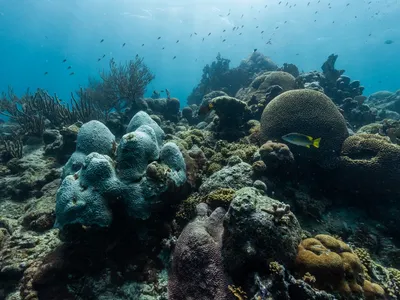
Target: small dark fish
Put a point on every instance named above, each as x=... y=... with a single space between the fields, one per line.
x=242 y=26
x=268 y=43
x=142 y=45
x=228 y=14
x=347 y=4
x=159 y=38
x=123 y=45
x=388 y=42
x=255 y=50
x=174 y=57
x=69 y=67
x=177 y=41
x=191 y=34
x=104 y=55
x=370 y=34
x=203 y=40
x=64 y=60
x=233 y=28
x=240 y=33
x=256 y=26
x=242 y=16
x=162 y=91
x=209 y=34
x=308 y=4
x=280 y=2
x=99 y=59
x=162 y=48
x=223 y=40
x=102 y=41
x=262 y=31
x=45 y=73
x=224 y=30
x=276 y=27
x=265 y=6
x=72 y=73
x=195 y=33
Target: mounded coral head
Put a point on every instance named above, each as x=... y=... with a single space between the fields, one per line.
x=370 y=163
x=135 y=151
x=310 y=113
x=256 y=93
x=79 y=198
x=333 y=264
x=93 y=136
x=142 y=118
x=276 y=155
x=256 y=234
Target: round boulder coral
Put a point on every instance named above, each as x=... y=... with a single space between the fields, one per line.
x=332 y=263
x=370 y=163
x=310 y=113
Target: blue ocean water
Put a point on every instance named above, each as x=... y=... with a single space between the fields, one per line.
x=37 y=35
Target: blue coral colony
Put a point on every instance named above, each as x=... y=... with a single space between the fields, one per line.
x=267 y=183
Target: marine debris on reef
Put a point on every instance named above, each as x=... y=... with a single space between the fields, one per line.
x=119 y=196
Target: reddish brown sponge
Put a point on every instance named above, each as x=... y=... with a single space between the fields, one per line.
x=307 y=112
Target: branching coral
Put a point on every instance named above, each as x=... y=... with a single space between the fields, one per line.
x=124 y=84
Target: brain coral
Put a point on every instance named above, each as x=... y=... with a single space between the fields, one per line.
x=334 y=266
x=307 y=112
x=370 y=163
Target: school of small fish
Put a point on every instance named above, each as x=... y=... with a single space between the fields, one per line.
x=238 y=29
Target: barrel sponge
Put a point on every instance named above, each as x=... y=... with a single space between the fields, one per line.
x=142 y=118
x=173 y=158
x=135 y=151
x=93 y=136
x=80 y=198
x=307 y=112
x=371 y=163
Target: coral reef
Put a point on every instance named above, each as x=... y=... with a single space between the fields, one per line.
x=370 y=163
x=219 y=76
x=197 y=266
x=133 y=182
x=232 y=176
x=335 y=267
x=253 y=236
x=93 y=136
x=307 y=112
x=264 y=88
x=232 y=115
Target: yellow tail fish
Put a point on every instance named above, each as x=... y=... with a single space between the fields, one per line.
x=301 y=140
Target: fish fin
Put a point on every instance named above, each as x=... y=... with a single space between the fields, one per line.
x=308 y=146
x=316 y=142
x=310 y=138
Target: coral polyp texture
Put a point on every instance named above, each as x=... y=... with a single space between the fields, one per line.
x=143 y=170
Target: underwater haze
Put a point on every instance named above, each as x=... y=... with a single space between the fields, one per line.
x=199 y=150
x=36 y=36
